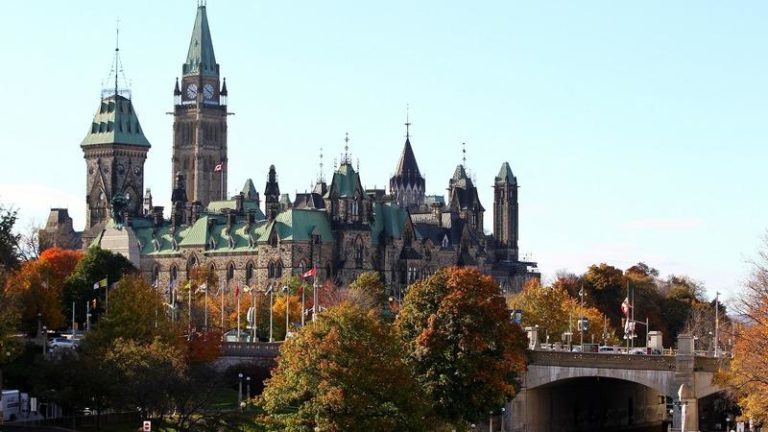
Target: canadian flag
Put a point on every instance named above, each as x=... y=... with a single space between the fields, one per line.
x=625 y=306
x=219 y=166
x=309 y=273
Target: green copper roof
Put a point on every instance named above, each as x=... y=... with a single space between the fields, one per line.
x=216 y=207
x=200 y=57
x=460 y=173
x=505 y=174
x=346 y=181
x=115 y=122
x=249 y=190
x=298 y=224
x=389 y=219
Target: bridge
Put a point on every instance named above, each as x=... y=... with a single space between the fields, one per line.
x=575 y=391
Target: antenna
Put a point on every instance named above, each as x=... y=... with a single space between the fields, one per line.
x=464 y=154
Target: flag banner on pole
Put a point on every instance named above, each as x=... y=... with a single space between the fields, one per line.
x=237 y=290
x=625 y=306
x=219 y=166
x=202 y=288
x=309 y=273
x=100 y=284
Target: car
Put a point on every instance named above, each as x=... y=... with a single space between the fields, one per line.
x=61 y=343
x=231 y=336
x=609 y=350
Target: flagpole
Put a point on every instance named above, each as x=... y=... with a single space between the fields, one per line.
x=302 y=303
x=189 y=312
x=107 y=296
x=315 y=297
x=237 y=294
x=221 y=292
x=205 y=325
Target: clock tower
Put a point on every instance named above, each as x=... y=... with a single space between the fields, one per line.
x=200 y=119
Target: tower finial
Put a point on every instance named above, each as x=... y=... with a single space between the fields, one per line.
x=117 y=50
x=407 y=121
x=320 y=177
x=346 y=148
x=464 y=154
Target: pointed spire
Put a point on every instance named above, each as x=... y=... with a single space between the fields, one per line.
x=223 y=91
x=200 y=57
x=115 y=72
x=464 y=154
x=321 y=174
x=505 y=174
x=176 y=89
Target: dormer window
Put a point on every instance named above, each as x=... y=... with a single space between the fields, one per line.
x=445 y=241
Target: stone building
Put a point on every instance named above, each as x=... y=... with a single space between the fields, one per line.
x=341 y=228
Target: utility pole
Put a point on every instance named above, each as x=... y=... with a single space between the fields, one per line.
x=717 y=324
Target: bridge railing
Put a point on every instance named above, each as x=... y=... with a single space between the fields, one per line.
x=250 y=349
x=602 y=360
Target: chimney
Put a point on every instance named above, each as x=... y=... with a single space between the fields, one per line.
x=239 y=203
x=437 y=212
x=157 y=216
x=194 y=212
x=231 y=220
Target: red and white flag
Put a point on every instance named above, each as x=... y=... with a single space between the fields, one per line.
x=625 y=306
x=219 y=166
x=309 y=273
x=237 y=290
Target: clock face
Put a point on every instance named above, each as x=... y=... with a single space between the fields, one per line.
x=208 y=91
x=191 y=91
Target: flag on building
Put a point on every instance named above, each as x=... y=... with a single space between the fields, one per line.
x=219 y=167
x=203 y=288
x=309 y=273
x=625 y=306
x=100 y=284
x=237 y=290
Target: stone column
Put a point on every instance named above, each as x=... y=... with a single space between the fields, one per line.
x=685 y=386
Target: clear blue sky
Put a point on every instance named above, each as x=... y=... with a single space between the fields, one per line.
x=636 y=129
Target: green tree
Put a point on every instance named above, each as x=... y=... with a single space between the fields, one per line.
x=95 y=265
x=459 y=339
x=343 y=373
x=9 y=241
x=136 y=312
x=148 y=373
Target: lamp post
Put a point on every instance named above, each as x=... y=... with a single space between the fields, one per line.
x=502 y=418
x=239 y=388
x=490 y=421
x=286 y=291
x=45 y=339
x=271 y=293
x=581 y=320
x=248 y=388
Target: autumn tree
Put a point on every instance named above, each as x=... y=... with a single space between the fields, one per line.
x=344 y=373
x=556 y=313
x=747 y=376
x=459 y=339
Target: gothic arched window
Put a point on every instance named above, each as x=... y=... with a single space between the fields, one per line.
x=230 y=272
x=249 y=273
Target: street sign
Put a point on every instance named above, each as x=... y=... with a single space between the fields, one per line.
x=147 y=426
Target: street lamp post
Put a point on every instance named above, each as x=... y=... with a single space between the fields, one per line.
x=45 y=339
x=581 y=320
x=490 y=421
x=239 y=388
x=502 y=418
x=248 y=388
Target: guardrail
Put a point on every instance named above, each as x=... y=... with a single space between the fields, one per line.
x=602 y=360
x=251 y=349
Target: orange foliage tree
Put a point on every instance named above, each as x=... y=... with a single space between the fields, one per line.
x=461 y=343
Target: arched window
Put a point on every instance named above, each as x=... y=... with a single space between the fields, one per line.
x=279 y=269
x=156 y=276
x=230 y=272
x=359 y=250
x=174 y=273
x=191 y=264
x=249 y=273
